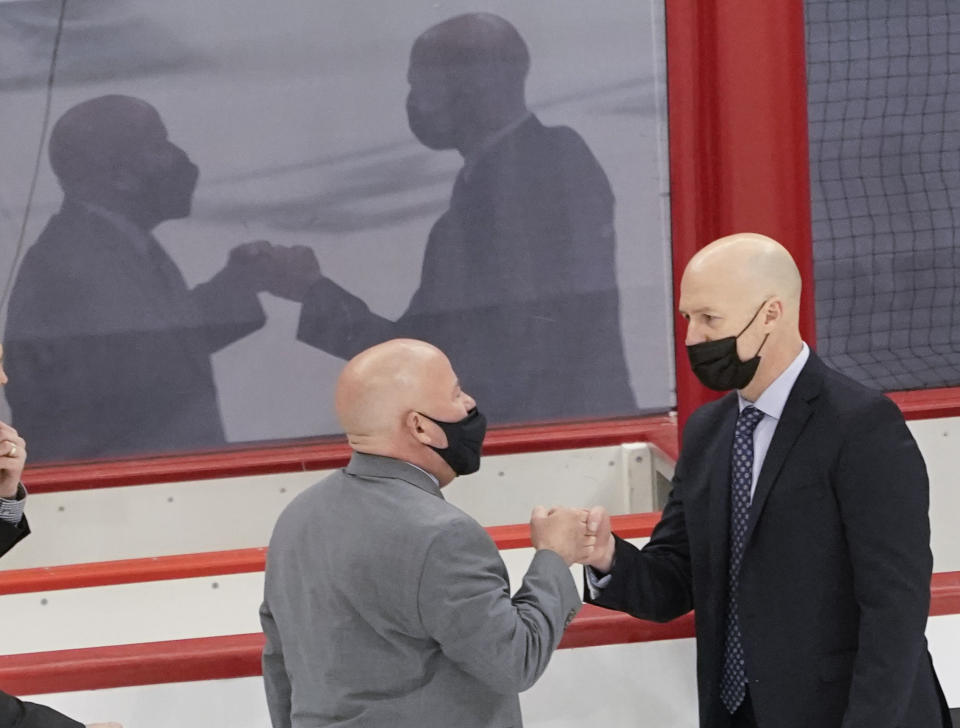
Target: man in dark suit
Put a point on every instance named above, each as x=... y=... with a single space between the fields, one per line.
x=15 y=713
x=519 y=278
x=798 y=523
x=108 y=348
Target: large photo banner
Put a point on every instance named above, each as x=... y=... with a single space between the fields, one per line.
x=205 y=208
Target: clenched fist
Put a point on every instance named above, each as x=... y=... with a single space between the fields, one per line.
x=598 y=523
x=563 y=530
x=13 y=457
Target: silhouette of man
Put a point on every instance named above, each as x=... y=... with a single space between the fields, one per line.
x=518 y=282
x=107 y=347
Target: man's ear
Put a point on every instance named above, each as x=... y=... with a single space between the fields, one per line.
x=126 y=177
x=415 y=425
x=773 y=310
x=424 y=430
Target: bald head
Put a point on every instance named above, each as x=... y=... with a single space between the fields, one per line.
x=750 y=264
x=113 y=152
x=379 y=385
x=92 y=138
x=474 y=43
x=467 y=77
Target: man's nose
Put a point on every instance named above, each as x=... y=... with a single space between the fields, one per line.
x=469 y=401
x=695 y=334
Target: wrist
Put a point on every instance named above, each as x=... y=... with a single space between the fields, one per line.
x=557 y=551
x=603 y=561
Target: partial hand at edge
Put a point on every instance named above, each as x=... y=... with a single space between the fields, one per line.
x=13 y=458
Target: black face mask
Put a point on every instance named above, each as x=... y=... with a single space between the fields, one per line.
x=717 y=364
x=464 y=440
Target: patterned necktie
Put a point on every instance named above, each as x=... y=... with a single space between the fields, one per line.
x=734 y=676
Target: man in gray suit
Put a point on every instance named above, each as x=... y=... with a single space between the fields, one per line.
x=385 y=605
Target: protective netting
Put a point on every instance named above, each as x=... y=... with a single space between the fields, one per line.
x=884 y=105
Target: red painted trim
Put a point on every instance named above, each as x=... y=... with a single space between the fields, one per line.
x=147 y=663
x=737 y=99
x=240 y=561
x=323 y=454
x=928 y=404
x=130 y=571
x=945 y=594
x=596 y=626
x=233 y=656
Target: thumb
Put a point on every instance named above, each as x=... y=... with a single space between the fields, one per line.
x=595 y=518
x=538 y=513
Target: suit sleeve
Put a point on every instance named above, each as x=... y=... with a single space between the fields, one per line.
x=883 y=494
x=15 y=713
x=11 y=534
x=337 y=322
x=654 y=582
x=230 y=308
x=275 y=679
x=465 y=605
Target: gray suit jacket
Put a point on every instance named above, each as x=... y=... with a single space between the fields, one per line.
x=387 y=606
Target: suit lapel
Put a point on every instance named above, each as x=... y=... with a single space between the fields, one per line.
x=796 y=412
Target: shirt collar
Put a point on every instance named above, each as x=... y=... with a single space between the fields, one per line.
x=774 y=398
x=382 y=466
x=490 y=142
x=141 y=240
x=432 y=477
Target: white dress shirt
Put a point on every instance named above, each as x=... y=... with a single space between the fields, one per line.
x=11 y=509
x=771 y=402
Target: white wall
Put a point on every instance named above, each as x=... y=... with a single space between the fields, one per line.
x=234 y=513
x=939 y=441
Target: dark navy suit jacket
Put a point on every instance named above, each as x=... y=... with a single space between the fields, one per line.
x=518 y=285
x=835 y=581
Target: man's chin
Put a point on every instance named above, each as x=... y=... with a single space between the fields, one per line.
x=445 y=475
x=437 y=141
x=179 y=211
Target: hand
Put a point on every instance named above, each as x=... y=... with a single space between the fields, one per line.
x=252 y=263
x=598 y=524
x=13 y=457
x=256 y=252
x=292 y=271
x=563 y=530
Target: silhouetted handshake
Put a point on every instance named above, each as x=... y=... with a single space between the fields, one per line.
x=578 y=535
x=285 y=271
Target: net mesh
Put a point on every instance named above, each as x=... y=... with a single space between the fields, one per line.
x=884 y=105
